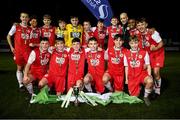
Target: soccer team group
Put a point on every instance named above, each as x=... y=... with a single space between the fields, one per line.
x=59 y=56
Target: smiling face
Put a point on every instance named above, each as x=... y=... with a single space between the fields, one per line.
x=118 y=42
x=44 y=45
x=141 y=26
x=123 y=18
x=59 y=45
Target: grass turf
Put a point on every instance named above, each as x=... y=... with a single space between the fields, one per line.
x=13 y=104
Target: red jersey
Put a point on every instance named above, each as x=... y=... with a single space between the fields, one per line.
x=76 y=62
x=100 y=36
x=35 y=35
x=95 y=62
x=58 y=63
x=22 y=38
x=86 y=36
x=41 y=61
x=135 y=62
x=116 y=61
x=49 y=33
x=112 y=31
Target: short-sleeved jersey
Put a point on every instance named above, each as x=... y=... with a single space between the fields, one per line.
x=100 y=36
x=95 y=62
x=49 y=32
x=111 y=32
x=76 y=62
x=39 y=60
x=136 y=61
x=73 y=32
x=62 y=34
x=35 y=35
x=116 y=60
x=21 y=36
x=86 y=36
x=58 y=63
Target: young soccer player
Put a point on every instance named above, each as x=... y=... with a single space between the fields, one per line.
x=87 y=33
x=100 y=33
x=37 y=65
x=57 y=68
x=112 y=30
x=115 y=72
x=74 y=30
x=95 y=59
x=61 y=31
x=134 y=61
x=35 y=33
x=47 y=30
x=20 y=49
x=76 y=64
x=152 y=42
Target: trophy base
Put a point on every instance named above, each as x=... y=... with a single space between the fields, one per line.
x=76 y=103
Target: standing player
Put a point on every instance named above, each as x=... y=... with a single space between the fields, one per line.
x=100 y=33
x=112 y=30
x=37 y=64
x=21 y=49
x=61 y=31
x=74 y=30
x=87 y=33
x=35 y=33
x=95 y=59
x=152 y=42
x=47 y=30
x=115 y=71
x=134 y=61
x=57 y=68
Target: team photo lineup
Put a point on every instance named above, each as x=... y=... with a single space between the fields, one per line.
x=96 y=59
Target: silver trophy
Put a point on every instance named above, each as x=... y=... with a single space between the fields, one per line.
x=76 y=94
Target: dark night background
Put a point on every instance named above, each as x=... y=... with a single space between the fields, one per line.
x=163 y=15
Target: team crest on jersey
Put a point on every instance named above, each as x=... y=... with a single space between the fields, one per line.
x=94 y=62
x=60 y=60
x=44 y=61
x=98 y=56
x=121 y=55
x=140 y=56
x=47 y=34
x=75 y=34
x=24 y=36
x=115 y=60
x=134 y=63
x=34 y=35
x=75 y=56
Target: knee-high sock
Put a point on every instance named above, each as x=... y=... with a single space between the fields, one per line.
x=147 y=92
x=30 y=88
x=19 y=76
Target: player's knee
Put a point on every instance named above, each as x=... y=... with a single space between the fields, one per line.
x=149 y=81
x=86 y=79
x=105 y=79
